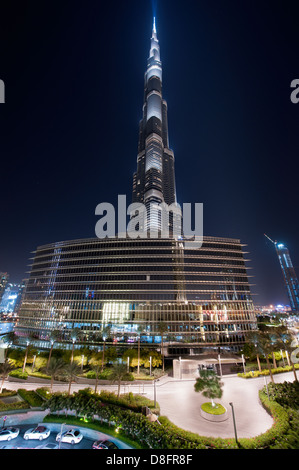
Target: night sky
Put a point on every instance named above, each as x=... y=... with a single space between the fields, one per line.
x=74 y=74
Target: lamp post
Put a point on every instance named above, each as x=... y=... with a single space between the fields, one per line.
x=220 y=368
x=266 y=386
x=34 y=357
x=82 y=361
x=282 y=358
x=150 y=361
x=62 y=424
x=155 y=393
x=103 y=356
x=234 y=421
x=243 y=363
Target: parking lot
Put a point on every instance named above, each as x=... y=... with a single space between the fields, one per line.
x=20 y=443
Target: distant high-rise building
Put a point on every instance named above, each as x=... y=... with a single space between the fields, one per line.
x=3 y=283
x=289 y=274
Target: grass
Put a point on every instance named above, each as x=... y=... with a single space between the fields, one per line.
x=95 y=425
x=213 y=410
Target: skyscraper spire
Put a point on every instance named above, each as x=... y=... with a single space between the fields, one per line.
x=154 y=180
x=154 y=26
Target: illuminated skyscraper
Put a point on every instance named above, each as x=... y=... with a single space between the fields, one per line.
x=3 y=282
x=134 y=285
x=154 y=180
x=289 y=274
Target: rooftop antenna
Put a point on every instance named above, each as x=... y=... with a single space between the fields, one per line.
x=274 y=243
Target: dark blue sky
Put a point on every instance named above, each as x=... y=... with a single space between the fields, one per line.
x=74 y=92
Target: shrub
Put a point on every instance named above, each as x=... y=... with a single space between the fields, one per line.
x=32 y=398
x=19 y=374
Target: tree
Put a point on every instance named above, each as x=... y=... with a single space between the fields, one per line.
x=5 y=368
x=285 y=340
x=9 y=339
x=71 y=371
x=54 y=367
x=209 y=384
x=267 y=346
x=30 y=338
x=75 y=334
x=255 y=339
x=96 y=369
x=118 y=374
x=162 y=328
x=53 y=337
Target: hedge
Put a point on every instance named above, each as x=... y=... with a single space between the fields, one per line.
x=257 y=373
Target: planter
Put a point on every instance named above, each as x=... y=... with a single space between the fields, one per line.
x=214 y=417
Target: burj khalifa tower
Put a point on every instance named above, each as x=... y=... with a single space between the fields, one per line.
x=154 y=179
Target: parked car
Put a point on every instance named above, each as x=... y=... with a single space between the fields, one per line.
x=8 y=433
x=104 y=445
x=39 y=432
x=73 y=436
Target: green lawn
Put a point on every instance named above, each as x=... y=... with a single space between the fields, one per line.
x=213 y=410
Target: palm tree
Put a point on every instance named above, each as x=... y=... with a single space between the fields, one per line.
x=162 y=328
x=53 y=368
x=53 y=337
x=29 y=341
x=209 y=384
x=5 y=368
x=71 y=371
x=285 y=340
x=254 y=337
x=75 y=334
x=96 y=369
x=140 y=331
x=9 y=339
x=267 y=346
x=118 y=373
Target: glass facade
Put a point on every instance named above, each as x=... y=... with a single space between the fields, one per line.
x=131 y=286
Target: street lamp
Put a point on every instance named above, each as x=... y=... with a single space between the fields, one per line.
x=150 y=361
x=34 y=357
x=243 y=363
x=235 y=428
x=220 y=368
x=62 y=424
x=155 y=393
x=103 y=356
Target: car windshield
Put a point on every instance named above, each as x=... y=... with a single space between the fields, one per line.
x=40 y=429
x=111 y=444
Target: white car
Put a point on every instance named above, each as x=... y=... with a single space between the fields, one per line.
x=73 y=436
x=40 y=433
x=6 y=434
